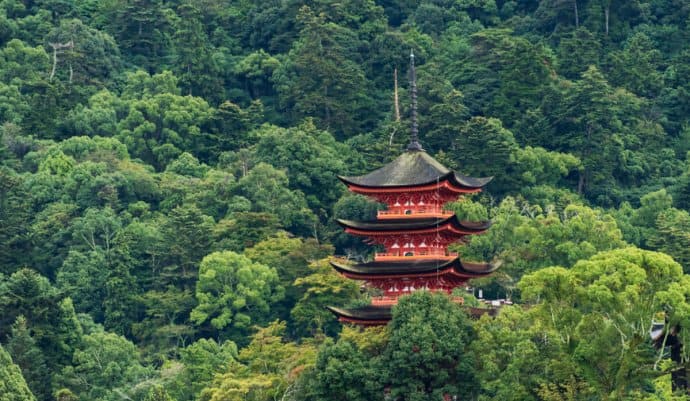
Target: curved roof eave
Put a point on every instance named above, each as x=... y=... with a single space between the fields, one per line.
x=367 y=313
x=415 y=267
x=411 y=224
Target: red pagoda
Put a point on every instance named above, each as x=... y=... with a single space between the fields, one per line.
x=415 y=230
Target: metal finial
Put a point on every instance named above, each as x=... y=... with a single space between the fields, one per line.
x=414 y=140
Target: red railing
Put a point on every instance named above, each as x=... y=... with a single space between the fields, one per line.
x=393 y=300
x=415 y=255
x=413 y=211
x=384 y=301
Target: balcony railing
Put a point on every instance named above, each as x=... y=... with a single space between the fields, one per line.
x=403 y=255
x=388 y=300
x=424 y=212
x=384 y=301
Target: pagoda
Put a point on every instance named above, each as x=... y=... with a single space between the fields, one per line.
x=414 y=230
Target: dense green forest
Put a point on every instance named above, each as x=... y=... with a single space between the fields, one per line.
x=168 y=192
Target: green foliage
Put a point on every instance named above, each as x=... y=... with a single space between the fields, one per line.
x=14 y=219
x=233 y=291
x=157 y=128
x=270 y=368
x=92 y=58
x=343 y=372
x=138 y=137
x=321 y=76
x=428 y=357
x=526 y=237
x=12 y=384
x=603 y=306
x=29 y=358
x=104 y=367
x=198 y=364
x=158 y=393
x=320 y=287
x=311 y=158
x=267 y=189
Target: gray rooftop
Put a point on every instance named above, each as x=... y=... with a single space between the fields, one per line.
x=414 y=168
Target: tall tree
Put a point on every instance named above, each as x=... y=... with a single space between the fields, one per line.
x=29 y=358
x=141 y=27
x=593 y=119
x=12 y=384
x=193 y=54
x=322 y=77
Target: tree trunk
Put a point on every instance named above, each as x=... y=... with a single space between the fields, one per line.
x=395 y=95
x=607 y=12
x=577 y=16
x=581 y=182
x=327 y=109
x=52 y=72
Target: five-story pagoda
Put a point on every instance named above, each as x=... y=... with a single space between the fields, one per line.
x=415 y=229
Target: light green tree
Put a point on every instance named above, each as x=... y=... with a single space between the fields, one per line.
x=233 y=291
x=12 y=384
x=601 y=311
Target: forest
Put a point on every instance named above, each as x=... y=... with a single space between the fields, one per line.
x=169 y=190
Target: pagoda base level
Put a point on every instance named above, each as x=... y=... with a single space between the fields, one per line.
x=379 y=315
x=369 y=315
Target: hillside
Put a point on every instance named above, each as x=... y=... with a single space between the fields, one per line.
x=168 y=192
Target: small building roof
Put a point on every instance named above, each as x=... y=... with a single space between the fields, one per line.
x=413 y=168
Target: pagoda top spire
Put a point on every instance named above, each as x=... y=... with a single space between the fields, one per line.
x=414 y=145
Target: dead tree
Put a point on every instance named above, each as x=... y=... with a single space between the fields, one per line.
x=397 y=105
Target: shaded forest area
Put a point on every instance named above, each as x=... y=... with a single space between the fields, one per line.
x=168 y=192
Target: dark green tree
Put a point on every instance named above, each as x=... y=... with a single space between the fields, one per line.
x=141 y=28
x=322 y=77
x=427 y=353
x=197 y=69
x=29 y=358
x=343 y=372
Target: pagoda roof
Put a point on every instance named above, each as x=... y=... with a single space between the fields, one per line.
x=368 y=314
x=416 y=267
x=379 y=315
x=411 y=225
x=414 y=168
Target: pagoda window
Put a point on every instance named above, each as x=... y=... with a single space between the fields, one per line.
x=423 y=245
x=396 y=203
x=395 y=246
x=409 y=253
